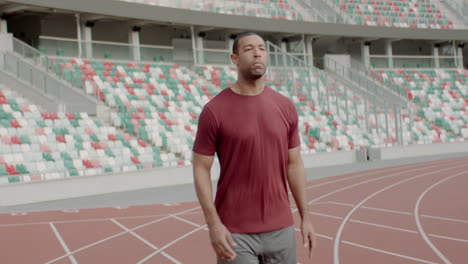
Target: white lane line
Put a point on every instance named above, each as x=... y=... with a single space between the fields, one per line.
x=170 y=244
x=450 y=238
x=117 y=235
x=370 y=180
x=316 y=234
x=385 y=169
x=387 y=227
x=326 y=215
x=336 y=246
x=384 y=226
x=94 y=219
x=418 y=220
x=62 y=242
x=446 y=219
x=388 y=252
x=372 y=208
x=151 y=245
x=188 y=221
x=365 y=173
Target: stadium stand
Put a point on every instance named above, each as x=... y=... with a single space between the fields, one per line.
x=38 y=145
x=441 y=94
x=396 y=13
x=276 y=9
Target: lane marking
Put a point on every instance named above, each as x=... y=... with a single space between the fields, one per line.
x=450 y=238
x=372 y=208
x=117 y=235
x=188 y=221
x=326 y=215
x=341 y=228
x=169 y=244
x=384 y=226
x=370 y=180
x=62 y=242
x=446 y=218
x=95 y=219
x=388 y=252
x=366 y=173
x=418 y=220
x=316 y=234
x=396 y=212
x=151 y=245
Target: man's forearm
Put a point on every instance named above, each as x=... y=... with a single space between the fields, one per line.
x=297 y=184
x=205 y=196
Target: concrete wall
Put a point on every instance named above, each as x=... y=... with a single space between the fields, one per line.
x=15 y=194
x=63 y=26
x=188 y=17
x=400 y=152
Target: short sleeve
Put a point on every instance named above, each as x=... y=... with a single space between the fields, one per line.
x=293 y=139
x=205 y=140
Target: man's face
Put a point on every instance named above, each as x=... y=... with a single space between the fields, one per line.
x=251 y=58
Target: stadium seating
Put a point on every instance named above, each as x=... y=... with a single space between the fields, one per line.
x=158 y=103
x=276 y=9
x=395 y=13
x=37 y=145
x=441 y=94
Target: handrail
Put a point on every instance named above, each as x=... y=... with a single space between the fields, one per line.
x=369 y=84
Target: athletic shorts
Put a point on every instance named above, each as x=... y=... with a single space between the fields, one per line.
x=275 y=247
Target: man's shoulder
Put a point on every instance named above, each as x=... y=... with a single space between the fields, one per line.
x=282 y=98
x=218 y=100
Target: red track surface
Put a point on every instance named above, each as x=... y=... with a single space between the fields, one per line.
x=407 y=214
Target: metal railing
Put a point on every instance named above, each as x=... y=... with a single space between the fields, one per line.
x=66 y=47
x=399 y=61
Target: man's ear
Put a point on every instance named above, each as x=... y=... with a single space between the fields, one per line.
x=234 y=58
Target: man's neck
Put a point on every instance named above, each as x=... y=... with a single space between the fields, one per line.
x=247 y=87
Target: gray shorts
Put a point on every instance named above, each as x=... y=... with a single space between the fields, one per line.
x=275 y=247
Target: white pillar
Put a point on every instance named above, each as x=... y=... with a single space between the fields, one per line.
x=460 y=55
x=194 y=45
x=389 y=52
x=435 y=53
x=88 y=38
x=78 y=35
x=284 y=49
x=365 y=53
x=3 y=26
x=309 y=52
x=134 y=41
x=199 y=42
x=229 y=44
x=6 y=42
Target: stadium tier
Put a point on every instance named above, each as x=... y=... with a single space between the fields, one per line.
x=441 y=94
x=40 y=145
x=159 y=103
x=396 y=13
x=276 y=9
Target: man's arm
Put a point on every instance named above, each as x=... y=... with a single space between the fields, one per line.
x=221 y=238
x=297 y=184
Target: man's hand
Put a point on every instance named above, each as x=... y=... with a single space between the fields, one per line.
x=308 y=236
x=222 y=242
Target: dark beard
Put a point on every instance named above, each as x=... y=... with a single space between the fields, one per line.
x=252 y=75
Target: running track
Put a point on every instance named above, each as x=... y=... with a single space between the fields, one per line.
x=413 y=213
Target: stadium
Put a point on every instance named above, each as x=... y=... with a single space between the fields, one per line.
x=99 y=106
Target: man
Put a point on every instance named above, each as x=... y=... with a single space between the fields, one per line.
x=254 y=131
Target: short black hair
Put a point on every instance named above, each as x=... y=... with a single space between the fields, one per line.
x=238 y=37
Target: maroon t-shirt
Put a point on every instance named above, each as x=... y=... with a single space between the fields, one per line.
x=251 y=136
